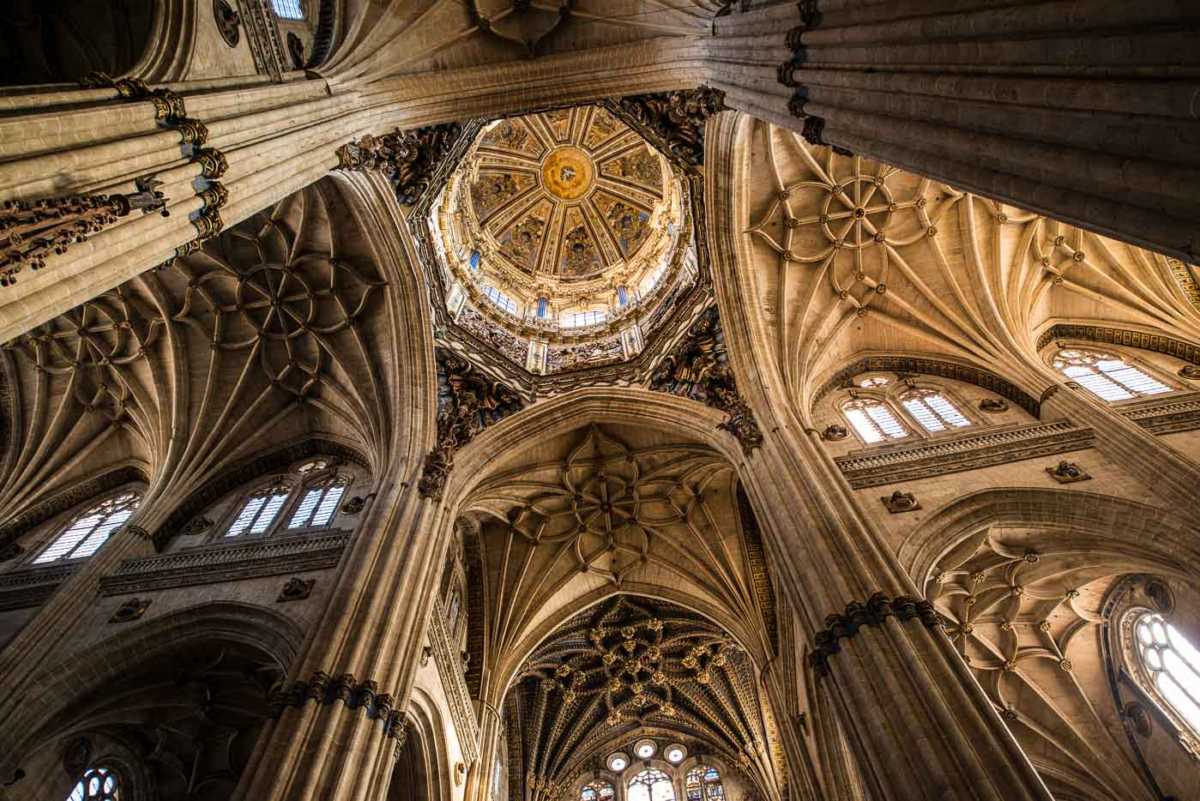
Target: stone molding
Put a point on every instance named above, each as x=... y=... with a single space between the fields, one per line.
x=211 y=564
x=847 y=624
x=1105 y=335
x=449 y=668
x=893 y=464
x=327 y=690
x=21 y=589
x=1166 y=415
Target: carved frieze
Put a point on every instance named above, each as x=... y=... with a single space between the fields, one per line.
x=699 y=369
x=449 y=668
x=468 y=402
x=30 y=231
x=847 y=624
x=408 y=159
x=677 y=119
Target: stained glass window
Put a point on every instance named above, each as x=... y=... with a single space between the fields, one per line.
x=703 y=783
x=873 y=420
x=598 y=790
x=97 y=784
x=259 y=511
x=91 y=529
x=1106 y=375
x=288 y=9
x=933 y=410
x=650 y=785
x=1173 y=665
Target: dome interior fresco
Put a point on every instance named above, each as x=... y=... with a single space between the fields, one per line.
x=564 y=238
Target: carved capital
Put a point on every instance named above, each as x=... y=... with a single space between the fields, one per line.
x=846 y=624
x=409 y=159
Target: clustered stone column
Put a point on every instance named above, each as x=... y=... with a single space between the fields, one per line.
x=1084 y=111
x=920 y=726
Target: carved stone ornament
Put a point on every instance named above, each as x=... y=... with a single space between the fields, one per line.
x=326 y=691
x=1138 y=718
x=993 y=405
x=31 y=230
x=834 y=433
x=677 y=118
x=1067 y=473
x=408 y=158
x=1190 y=372
x=900 y=501
x=131 y=610
x=354 y=505
x=296 y=589
x=699 y=369
x=228 y=22
x=197 y=525
x=468 y=402
x=847 y=624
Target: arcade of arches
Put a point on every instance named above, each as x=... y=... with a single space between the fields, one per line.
x=599 y=400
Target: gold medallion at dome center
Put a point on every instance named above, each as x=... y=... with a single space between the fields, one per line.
x=567 y=173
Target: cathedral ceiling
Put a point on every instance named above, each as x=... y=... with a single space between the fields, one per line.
x=567 y=196
x=610 y=509
x=852 y=257
x=627 y=666
x=409 y=37
x=269 y=334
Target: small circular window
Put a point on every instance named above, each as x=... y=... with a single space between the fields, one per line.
x=675 y=753
x=645 y=749
x=618 y=762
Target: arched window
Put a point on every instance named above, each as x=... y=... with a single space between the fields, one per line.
x=1107 y=375
x=1172 y=665
x=873 y=420
x=933 y=410
x=91 y=529
x=288 y=9
x=650 y=785
x=97 y=784
x=259 y=511
x=703 y=783
x=598 y=790
x=319 y=504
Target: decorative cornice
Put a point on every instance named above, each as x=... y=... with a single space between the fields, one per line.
x=409 y=159
x=698 y=368
x=1157 y=343
x=212 y=564
x=847 y=624
x=326 y=690
x=1165 y=415
x=468 y=402
x=674 y=120
x=922 y=365
x=21 y=589
x=449 y=667
x=892 y=464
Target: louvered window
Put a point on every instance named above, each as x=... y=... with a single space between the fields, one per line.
x=87 y=532
x=873 y=420
x=933 y=410
x=1108 y=376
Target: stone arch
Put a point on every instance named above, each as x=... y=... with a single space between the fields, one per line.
x=423 y=771
x=1148 y=537
x=62 y=692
